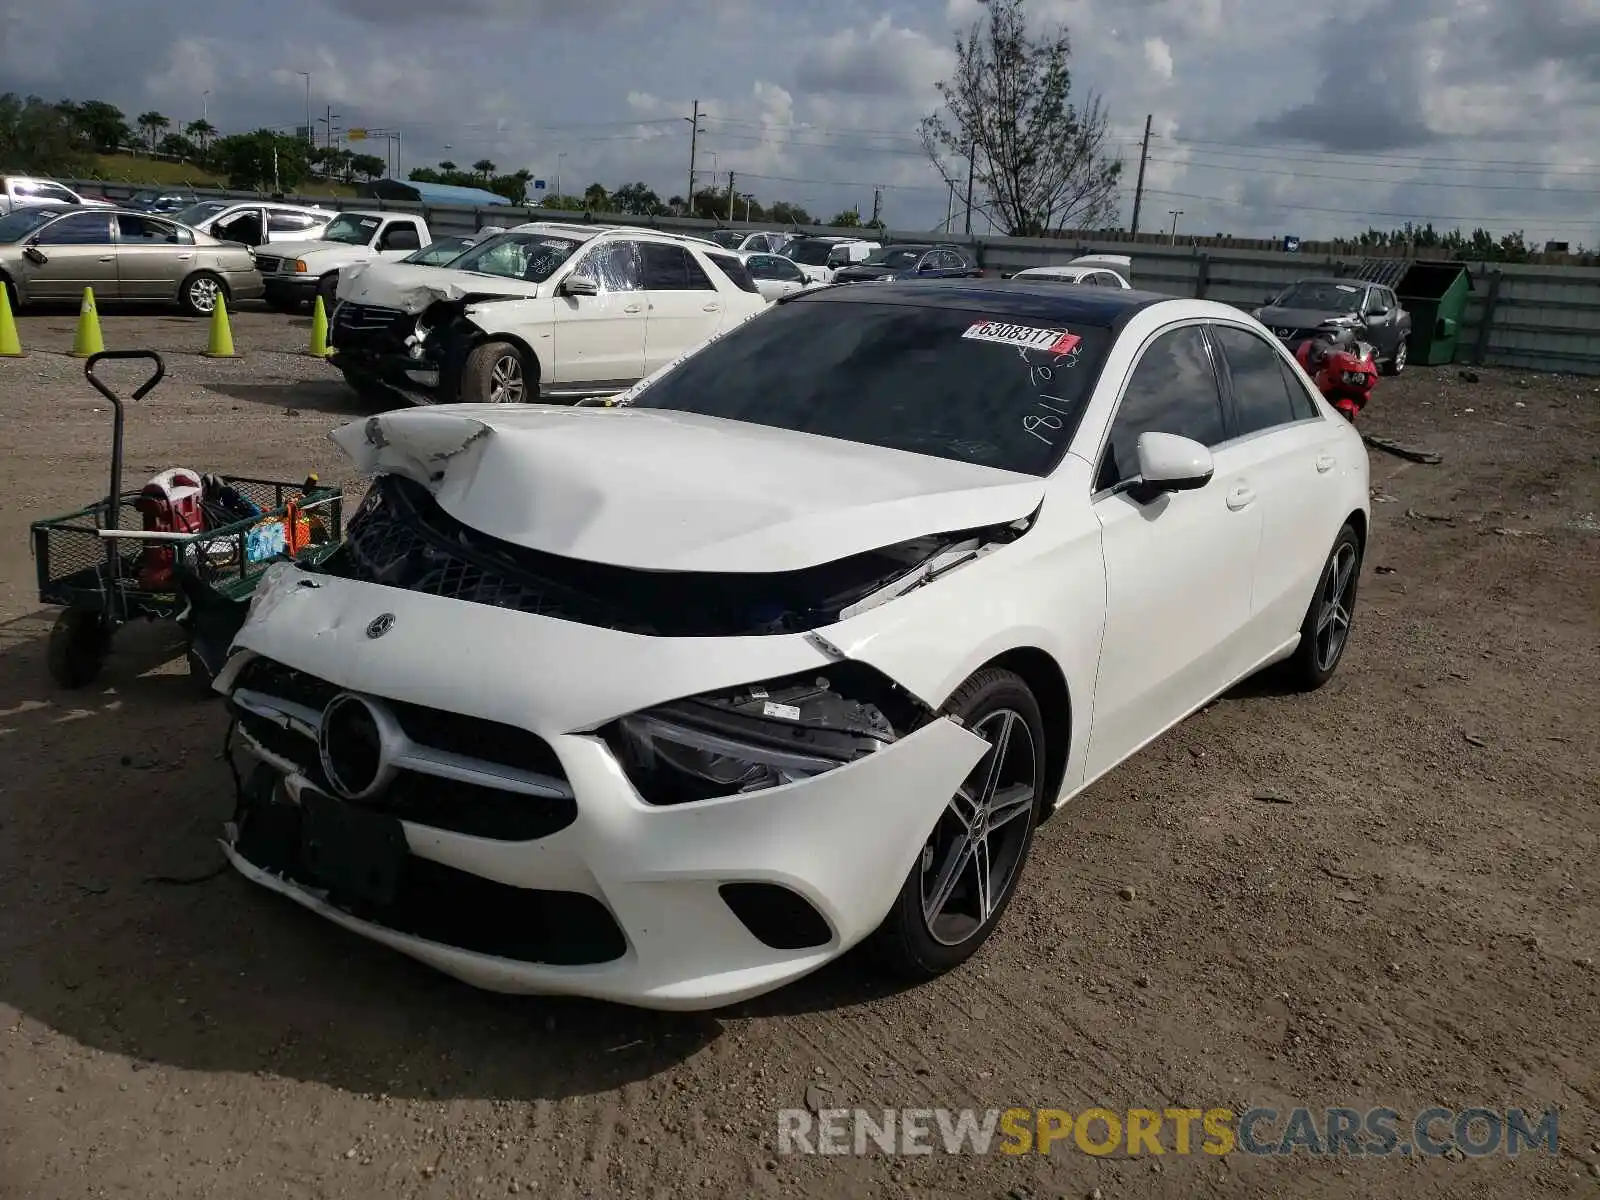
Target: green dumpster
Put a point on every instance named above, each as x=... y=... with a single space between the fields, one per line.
x=1435 y=294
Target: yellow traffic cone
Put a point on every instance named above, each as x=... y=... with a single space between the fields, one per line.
x=10 y=343
x=221 y=343
x=87 y=340
x=319 y=330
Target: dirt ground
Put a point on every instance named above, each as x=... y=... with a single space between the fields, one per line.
x=1414 y=921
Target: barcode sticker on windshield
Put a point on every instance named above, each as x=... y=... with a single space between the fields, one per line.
x=1030 y=337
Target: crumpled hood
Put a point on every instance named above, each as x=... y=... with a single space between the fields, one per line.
x=303 y=249
x=1298 y=318
x=660 y=490
x=413 y=287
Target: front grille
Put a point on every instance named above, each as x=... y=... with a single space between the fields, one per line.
x=267 y=265
x=366 y=318
x=470 y=808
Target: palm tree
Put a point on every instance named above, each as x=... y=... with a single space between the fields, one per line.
x=201 y=131
x=154 y=125
x=484 y=167
x=447 y=165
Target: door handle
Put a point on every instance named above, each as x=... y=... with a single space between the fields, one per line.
x=1325 y=463
x=713 y=307
x=108 y=258
x=632 y=308
x=185 y=257
x=1240 y=497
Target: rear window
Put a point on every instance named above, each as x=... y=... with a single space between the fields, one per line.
x=735 y=270
x=993 y=389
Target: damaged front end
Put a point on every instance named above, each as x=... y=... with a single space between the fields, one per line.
x=419 y=355
x=401 y=537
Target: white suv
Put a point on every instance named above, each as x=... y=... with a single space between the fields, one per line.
x=544 y=311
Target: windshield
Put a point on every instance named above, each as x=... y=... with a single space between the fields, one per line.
x=196 y=213
x=1322 y=297
x=951 y=383
x=19 y=224
x=811 y=253
x=351 y=229
x=527 y=256
x=730 y=239
x=436 y=254
x=898 y=257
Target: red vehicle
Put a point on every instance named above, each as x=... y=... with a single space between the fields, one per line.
x=1344 y=370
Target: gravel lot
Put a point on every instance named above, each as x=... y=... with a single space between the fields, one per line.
x=1414 y=921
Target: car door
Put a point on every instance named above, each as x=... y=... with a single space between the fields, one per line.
x=152 y=256
x=1293 y=454
x=1179 y=569
x=1379 y=321
x=600 y=339
x=685 y=307
x=247 y=226
x=287 y=225
x=76 y=252
x=398 y=239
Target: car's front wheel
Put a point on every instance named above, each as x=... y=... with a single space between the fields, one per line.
x=1325 y=632
x=497 y=373
x=968 y=869
x=1397 y=363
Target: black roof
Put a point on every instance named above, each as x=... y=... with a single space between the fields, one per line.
x=1103 y=307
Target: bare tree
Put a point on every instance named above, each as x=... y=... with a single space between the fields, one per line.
x=1040 y=160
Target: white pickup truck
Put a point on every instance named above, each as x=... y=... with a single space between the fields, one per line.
x=296 y=273
x=25 y=191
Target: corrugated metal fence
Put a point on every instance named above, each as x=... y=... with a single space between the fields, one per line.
x=1540 y=318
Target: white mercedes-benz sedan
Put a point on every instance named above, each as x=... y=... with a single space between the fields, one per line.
x=672 y=702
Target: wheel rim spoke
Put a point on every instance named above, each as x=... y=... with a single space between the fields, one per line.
x=955 y=861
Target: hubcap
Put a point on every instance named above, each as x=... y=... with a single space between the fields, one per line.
x=203 y=294
x=1334 y=600
x=976 y=848
x=505 y=381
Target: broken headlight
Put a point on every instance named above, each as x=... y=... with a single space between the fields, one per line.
x=745 y=740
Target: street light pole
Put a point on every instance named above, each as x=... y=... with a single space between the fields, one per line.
x=559 y=157
x=1174 y=214
x=311 y=135
x=205 y=106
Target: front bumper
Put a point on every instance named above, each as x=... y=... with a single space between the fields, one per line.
x=290 y=289
x=244 y=285
x=646 y=880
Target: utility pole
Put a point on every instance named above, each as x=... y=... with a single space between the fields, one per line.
x=1138 y=191
x=877 y=203
x=311 y=130
x=950 y=208
x=1175 y=214
x=694 y=139
x=972 y=154
x=730 y=195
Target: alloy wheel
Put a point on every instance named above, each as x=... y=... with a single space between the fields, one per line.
x=506 y=384
x=1336 y=596
x=203 y=295
x=976 y=849
x=1400 y=355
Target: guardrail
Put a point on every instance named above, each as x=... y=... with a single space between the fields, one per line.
x=1533 y=317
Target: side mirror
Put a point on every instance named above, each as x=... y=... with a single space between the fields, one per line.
x=579 y=285
x=1169 y=463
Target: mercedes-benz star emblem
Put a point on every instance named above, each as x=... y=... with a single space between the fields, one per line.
x=380 y=625
x=353 y=746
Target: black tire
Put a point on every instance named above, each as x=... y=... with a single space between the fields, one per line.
x=498 y=373
x=198 y=295
x=328 y=290
x=1397 y=362
x=79 y=642
x=917 y=944
x=371 y=389
x=1312 y=663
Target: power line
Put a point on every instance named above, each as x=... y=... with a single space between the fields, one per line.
x=1426 y=183
x=1498 y=218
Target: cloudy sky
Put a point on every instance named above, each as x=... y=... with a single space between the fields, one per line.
x=1465 y=112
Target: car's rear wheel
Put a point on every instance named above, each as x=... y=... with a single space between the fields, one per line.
x=200 y=293
x=497 y=373
x=968 y=869
x=1325 y=632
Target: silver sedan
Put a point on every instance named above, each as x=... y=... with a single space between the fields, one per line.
x=53 y=253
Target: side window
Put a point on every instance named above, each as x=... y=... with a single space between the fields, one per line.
x=1173 y=389
x=760 y=267
x=735 y=271
x=787 y=271
x=1260 y=400
x=1305 y=408
x=144 y=231
x=51 y=191
x=614 y=266
x=80 y=229
x=289 y=222
x=669 y=268
x=402 y=235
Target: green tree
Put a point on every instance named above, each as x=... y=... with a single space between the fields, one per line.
x=103 y=125
x=369 y=166
x=447 y=165
x=848 y=219
x=249 y=161
x=483 y=167
x=202 y=132
x=514 y=187
x=596 y=199
x=1042 y=161
x=175 y=145
x=789 y=214
x=41 y=138
x=556 y=202
x=638 y=200
x=153 y=124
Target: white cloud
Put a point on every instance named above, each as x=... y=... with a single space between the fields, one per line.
x=1158 y=57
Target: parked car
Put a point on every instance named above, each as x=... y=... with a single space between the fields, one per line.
x=153 y=200
x=673 y=702
x=820 y=256
x=53 y=253
x=745 y=240
x=24 y=191
x=255 y=223
x=775 y=275
x=904 y=260
x=1088 y=270
x=1312 y=307
x=296 y=273
x=546 y=310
